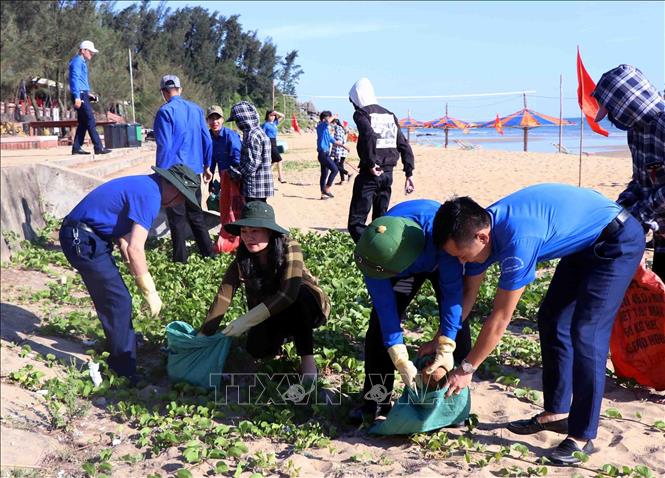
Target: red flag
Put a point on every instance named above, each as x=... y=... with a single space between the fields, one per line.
x=588 y=104
x=294 y=124
x=498 y=125
x=345 y=124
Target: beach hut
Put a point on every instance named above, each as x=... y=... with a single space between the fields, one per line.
x=527 y=119
x=446 y=123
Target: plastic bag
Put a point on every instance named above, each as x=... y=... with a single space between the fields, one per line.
x=231 y=203
x=424 y=410
x=637 y=344
x=193 y=359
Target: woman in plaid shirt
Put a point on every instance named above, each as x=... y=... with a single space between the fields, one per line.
x=283 y=298
x=338 y=152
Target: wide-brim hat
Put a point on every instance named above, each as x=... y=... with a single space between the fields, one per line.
x=388 y=246
x=186 y=181
x=255 y=214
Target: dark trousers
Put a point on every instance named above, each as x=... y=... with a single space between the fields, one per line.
x=575 y=322
x=379 y=368
x=369 y=192
x=87 y=123
x=328 y=170
x=340 y=167
x=275 y=157
x=248 y=200
x=298 y=321
x=658 y=265
x=113 y=303
x=178 y=217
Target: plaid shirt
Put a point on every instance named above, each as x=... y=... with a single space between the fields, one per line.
x=340 y=135
x=295 y=275
x=255 y=160
x=633 y=104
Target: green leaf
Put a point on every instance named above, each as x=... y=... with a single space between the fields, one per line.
x=660 y=424
x=221 y=467
x=183 y=473
x=580 y=455
x=613 y=413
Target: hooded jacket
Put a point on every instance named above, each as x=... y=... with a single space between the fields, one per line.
x=634 y=105
x=255 y=160
x=380 y=140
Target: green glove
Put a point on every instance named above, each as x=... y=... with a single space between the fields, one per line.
x=243 y=323
x=404 y=366
x=444 y=355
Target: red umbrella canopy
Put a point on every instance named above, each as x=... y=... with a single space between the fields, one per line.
x=447 y=122
x=526 y=118
x=409 y=122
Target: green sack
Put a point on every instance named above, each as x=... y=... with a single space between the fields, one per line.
x=424 y=410
x=193 y=359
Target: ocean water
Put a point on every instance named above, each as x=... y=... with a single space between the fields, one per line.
x=540 y=138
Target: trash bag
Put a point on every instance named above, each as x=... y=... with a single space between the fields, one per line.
x=213 y=199
x=637 y=344
x=231 y=203
x=424 y=410
x=194 y=359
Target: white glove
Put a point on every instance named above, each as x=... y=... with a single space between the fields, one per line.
x=243 y=323
x=444 y=355
x=404 y=366
x=147 y=287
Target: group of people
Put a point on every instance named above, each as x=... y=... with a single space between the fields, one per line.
x=600 y=243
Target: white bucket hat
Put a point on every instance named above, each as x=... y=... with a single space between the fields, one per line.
x=88 y=45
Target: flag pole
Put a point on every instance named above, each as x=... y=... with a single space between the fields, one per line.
x=560 y=110
x=579 y=177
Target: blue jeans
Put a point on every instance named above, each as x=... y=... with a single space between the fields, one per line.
x=575 y=322
x=87 y=122
x=328 y=170
x=93 y=260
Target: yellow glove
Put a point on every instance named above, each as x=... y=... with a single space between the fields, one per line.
x=404 y=366
x=147 y=287
x=444 y=355
x=243 y=323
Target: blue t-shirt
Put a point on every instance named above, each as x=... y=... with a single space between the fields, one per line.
x=112 y=208
x=422 y=212
x=539 y=223
x=271 y=128
x=226 y=148
x=323 y=137
x=182 y=135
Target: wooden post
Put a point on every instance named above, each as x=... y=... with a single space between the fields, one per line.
x=526 y=138
x=579 y=175
x=446 y=133
x=560 y=111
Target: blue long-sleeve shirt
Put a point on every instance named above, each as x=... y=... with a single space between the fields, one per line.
x=78 y=76
x=323 y=137
x=182 y=136
x=226 y=147
x=450 y=273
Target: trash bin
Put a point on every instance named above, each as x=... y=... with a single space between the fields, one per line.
x=134 y=135
x=115 y=136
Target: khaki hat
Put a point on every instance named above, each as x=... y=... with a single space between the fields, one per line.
x=388 y=246
x=215 y=109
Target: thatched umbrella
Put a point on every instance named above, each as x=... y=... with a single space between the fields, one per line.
x=446 y=123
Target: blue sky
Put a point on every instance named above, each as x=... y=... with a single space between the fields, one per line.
x=433 y=48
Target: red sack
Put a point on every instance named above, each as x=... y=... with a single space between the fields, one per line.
x=637 y=345
x=231 y=203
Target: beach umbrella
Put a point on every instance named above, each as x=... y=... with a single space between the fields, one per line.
x=409 y=123
x=527 y=119
x=446 y=123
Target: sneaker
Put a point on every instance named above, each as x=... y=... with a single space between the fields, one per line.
x=79 y=151
x=330 y=195
x=102 y=151
x=323 y=196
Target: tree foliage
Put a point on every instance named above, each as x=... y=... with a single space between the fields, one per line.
x=216 y=60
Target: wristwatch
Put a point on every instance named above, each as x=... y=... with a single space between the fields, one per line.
x=467 y=367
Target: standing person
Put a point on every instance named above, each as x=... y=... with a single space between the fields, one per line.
x=255 y=161
x=226 y=143
x=121 y=211
x=380 y=145
x=600 y=245
x=633 y=104
x=324 y=140
x=283 y=298
x=270 y=128
x=79 y=86
x=338 y=152
x=182 y=137
x=396 y=254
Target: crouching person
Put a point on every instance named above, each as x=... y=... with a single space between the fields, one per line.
x=283 y=298
x=121 y=211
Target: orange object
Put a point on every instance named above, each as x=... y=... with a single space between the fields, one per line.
x=498 y=125
x=637 y=345
x=231 y=203
x=588 y=104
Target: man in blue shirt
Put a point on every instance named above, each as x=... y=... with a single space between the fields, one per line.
x=226 y=143
x=182 y=137
x=396 y=254
x=121 y=211
x=600 y=246
x=79 y=87
x=324 y=141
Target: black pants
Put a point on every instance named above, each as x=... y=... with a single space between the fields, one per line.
x=86 y=124
x=659 y=259
x=275 y=157
x=379 y=368
x=369 y=192
x=265 y=340
x=255 y=199
x=342 y=171
x=178 y=216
